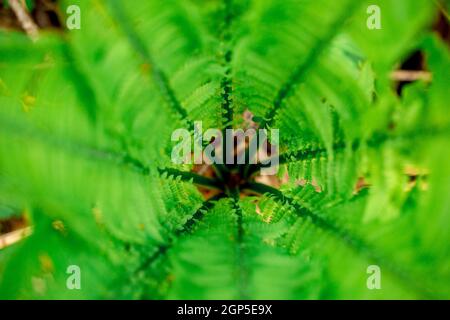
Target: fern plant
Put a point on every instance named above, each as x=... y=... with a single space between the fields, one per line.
x=85 y=126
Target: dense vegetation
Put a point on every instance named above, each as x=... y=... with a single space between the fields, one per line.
x=86 y=118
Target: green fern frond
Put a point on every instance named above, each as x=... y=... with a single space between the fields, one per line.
x=86 y=118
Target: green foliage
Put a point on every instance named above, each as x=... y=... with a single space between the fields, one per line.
x=85 y=124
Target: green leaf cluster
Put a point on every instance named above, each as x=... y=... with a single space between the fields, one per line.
x=85 y=124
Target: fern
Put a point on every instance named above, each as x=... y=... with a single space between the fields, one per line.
x=86 y=118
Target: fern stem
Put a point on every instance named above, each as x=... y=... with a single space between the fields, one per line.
x=301 y=154
x=226 y=83
x=309 y=62
x=159 y=76
x=377 y=140
x=183 y=230
x=82 y=85
x=351 y=240
x=189 y=176
x=118 y=12
x=299 y=73
x=242 y=270
x=94 y=153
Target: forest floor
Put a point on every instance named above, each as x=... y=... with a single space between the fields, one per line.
x=45 y=13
